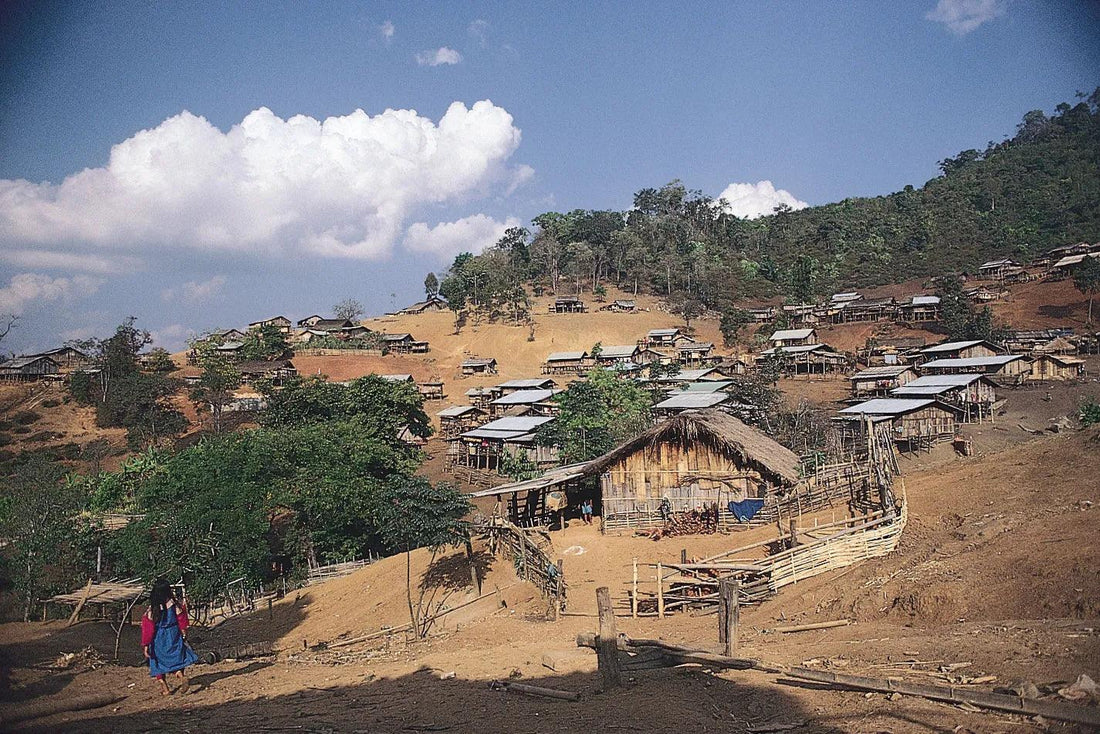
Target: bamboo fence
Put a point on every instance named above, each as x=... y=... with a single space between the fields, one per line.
x=527 y=556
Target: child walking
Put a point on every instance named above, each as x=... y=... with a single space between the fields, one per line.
x=164 y=636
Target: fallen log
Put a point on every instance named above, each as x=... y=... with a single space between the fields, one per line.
x=40 y=709
x=996 y=701
x=502 y=685
x=813 y=626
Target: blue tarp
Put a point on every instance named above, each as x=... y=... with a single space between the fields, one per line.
x=746 y=510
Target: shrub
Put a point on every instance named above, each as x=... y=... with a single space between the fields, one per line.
x=26 y=417
x=51 y=403
x=1090 y=412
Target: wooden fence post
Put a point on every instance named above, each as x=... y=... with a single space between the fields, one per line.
x=634 y=593
x=794 y=532
x=559 y=587
x=607 y=648
x=474 y=576
x=660 y=593
x=729 y=600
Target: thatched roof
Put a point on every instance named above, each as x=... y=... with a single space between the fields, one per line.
x=719 y=429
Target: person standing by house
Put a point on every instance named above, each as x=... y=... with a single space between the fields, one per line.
x=586 y=511
x=164 y=636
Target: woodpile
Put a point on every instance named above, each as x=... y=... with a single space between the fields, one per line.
x=693 y=522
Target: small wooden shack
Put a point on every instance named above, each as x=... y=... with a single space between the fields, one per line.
x=431 y=389
x=691 y=462
x=1056 y=367
x=996 y=269
x=793 y=337
x=68 y=358
x=404 y=344
x=620 y=306
x=805 y=359
x=458 y=419
x=682 y=401
x=566 y=362
x=480 y=397
x=878 y=381
x=277 y=371
x=29 y=368
x=920 y=309
x=663 y=338
x=962 y=350
x=479 y=366
x=617 y=353
x=693 y=353
x=282 y=323
x=568 y=304
x=483 y=447
x=434 y=302
x=538 y=402
x=974 y=394
x=1001 y=365
x=529 y=383
x=916 y=423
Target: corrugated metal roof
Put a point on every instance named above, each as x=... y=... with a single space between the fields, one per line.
x=951 y=346
x=551 y=478
x=566 y=356
x=527 y=383
x=887 y=406
x=619 y=351
x=872 y=372
x=705 y=387
x=696 y=347
x=848 y=296
x=508 y=428
x=788 y=334
x=478 y=362
x=20 y=362
x=692 y=375
x=798 y=349
x=525 y=397
x=949 y=380
x=925 y=300
x=663 y=332
x=455 y=411
x=998 y=361
x=397 y=378
x=688 y=400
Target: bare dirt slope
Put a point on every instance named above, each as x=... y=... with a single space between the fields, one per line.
x=997 y=569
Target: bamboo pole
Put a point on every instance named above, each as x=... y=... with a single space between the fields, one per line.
x=634 y=594
x=660 y=594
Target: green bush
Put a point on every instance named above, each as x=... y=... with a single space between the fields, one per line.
x=1090 y=412
x=26 y=417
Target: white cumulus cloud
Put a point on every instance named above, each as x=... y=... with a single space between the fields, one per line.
x=962 y=16
x=195 y=292
x=447 y=239
x=749 y=201
x=341 y=187
x=27 y=288
x=439 y=57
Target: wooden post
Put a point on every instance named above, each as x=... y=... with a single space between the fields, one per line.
x=607 y=645
x=558 y=588
x=660 y=593
x=794 y=532
x=683 y=555
x=634 y=593
x=474 y=577
x=729 y=600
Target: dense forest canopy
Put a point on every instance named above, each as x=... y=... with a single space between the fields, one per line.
x=1017 y=198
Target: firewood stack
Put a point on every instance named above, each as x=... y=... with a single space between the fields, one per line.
x=693 y=522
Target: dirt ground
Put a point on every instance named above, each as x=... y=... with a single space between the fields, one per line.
x=997 y=568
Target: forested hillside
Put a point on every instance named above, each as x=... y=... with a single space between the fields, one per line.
x=1016 y=198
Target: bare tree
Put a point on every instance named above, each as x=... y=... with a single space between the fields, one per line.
x=7 y=323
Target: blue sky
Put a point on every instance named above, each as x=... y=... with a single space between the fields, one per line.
x=229 y=207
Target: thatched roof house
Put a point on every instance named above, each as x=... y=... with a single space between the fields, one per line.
x=694 y=460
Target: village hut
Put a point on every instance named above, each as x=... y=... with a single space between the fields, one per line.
x=793 y=337
x=479 y=366
x=431 y=389
x=663 y=338
x=28 y=368
x=568 y=304
x=537 y=402
x=805 y=359
x=693 y=353
x=878 y=381
x=915 y=423
x=483 y=447
x=617 y=353
x=962 y=350
x=68 y=358
x=997 y=269
x=404 y=344
x=1056 y=367
x=458 y=419
x=282 y=323
x=876 y=309
x=480 y=397
x=278 y=371
x=309 y=321
x=733 y=366
x=1001 y=365
x=620 y=306
x=691 y=462
x=920 y=309
x=802 y=313
x=976 y=395
x=528 y=383
x=566 y=362
x=434 y=302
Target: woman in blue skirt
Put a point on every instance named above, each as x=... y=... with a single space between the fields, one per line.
x=164 y=636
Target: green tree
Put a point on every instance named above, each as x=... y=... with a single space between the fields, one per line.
x=414 y=514
x=595 y=415
x=1086 y=278
x=431 y=285
x=220 y=378
x=159 y=360
x=39 y=518
x=733 y=322
x=454 y=290
x=265 y=343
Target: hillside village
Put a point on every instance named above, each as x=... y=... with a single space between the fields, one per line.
x=854 y=532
